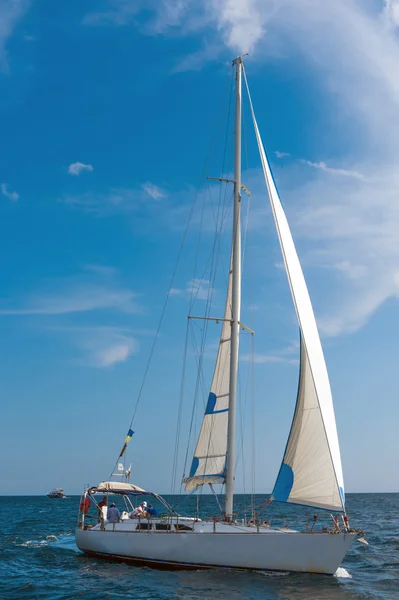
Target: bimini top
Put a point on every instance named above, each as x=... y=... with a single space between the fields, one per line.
x=116 y=487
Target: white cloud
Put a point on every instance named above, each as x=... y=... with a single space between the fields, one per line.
x=391 y=14
x=104 y=347
x=344 y=172
x=118 y=201
x=195 y=61
x=76 y=168
x=11 y=12
x=259 y=358
x=153 y=190
x=10 y=195
x=121 y=12
x=344 y=216
x=76 y=294
x=199 y=289
x=113 y=354
x=281 y=154
x=241 y=22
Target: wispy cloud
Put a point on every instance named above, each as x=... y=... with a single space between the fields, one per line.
x=11 y=12
x=85 y=292
x=116 y=200
x=200 y=289
x=210 y=51
x=10 y=195
x=77 y=168
x=196 y=289
x=153 y=190
x=104 y=347
x=259 y=358
x=99 y=346
x=121 y=12
x=281 y=154
x=345 y=218
x=333 y=171
x=391 y=14
x=175 y=292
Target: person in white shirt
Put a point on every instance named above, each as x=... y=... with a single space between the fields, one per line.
x=139 y=511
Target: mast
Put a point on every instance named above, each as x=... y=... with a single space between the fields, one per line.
x=236 y=297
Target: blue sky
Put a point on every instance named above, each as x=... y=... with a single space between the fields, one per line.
x=106 y=113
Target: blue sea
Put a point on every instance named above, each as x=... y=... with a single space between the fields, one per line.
x=39 y=558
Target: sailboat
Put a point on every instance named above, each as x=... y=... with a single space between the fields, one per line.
x=310 y=473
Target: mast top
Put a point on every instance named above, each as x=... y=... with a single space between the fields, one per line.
x=238 y=60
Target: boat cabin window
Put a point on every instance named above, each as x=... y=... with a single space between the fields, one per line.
x=179 y=527
x=144 y=526
x=162 y=526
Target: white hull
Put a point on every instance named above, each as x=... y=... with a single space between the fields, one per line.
x=229 y=546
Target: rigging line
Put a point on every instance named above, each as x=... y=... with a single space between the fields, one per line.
x=220 y=192
x=253 y=461
x=192 y=417
x=211 y=254
x=192 y=296
x=248 y=198
x=220 y=216
x=207 y=155
x=224 y=167
x=178 y=424
x=243 y=411
x=216 y=497
x=203 y=171
x=337 y=467
x=213 y=421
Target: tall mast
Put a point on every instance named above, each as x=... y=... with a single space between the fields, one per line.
x=236 y=297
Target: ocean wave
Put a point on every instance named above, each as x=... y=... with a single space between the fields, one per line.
x=342 y=573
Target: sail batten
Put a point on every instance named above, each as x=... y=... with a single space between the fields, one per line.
x=209 y=461
x=311 y=470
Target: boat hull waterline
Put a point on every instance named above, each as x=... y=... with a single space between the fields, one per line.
x=268 y=550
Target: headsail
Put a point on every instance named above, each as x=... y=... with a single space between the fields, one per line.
x=209 y=461
x=311 y=471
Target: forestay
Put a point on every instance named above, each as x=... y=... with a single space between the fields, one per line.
x=311 y=471
x=209 y=461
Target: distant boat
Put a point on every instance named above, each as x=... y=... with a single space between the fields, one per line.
x=56 y=493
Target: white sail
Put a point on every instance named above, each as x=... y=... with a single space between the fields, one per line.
x=209 y=461
x=311 y=471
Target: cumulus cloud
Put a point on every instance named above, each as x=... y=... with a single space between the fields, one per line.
x=281 y=154
x=10 y=195
x=77 y=168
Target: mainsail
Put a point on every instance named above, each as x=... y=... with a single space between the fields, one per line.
x=311 y=471
x=209 y=461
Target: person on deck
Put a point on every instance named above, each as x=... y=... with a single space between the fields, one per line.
x=113 y=515
x=140 y=511
x=151 y=511
x=104 y=502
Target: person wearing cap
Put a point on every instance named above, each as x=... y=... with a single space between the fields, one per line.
x=113 y=514
x=140 y=511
